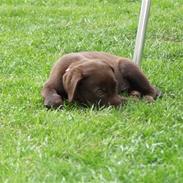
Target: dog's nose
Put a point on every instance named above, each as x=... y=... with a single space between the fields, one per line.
x=116 y=100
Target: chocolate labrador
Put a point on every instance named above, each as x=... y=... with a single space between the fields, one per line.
x=95 y=78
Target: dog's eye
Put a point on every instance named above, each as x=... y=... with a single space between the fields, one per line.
x=100 y=92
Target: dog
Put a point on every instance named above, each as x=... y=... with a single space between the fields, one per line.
x=95 y=78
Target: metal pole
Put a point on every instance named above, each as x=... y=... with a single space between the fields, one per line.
x=140 y=37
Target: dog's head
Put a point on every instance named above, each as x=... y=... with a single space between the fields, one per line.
x=91 y=82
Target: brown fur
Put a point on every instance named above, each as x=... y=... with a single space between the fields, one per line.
x=95 y=78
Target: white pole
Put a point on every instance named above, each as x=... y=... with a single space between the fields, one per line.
x=140 y=37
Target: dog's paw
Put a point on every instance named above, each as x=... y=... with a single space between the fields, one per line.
x=135 y=94
x=54 y=101
x=149 y=99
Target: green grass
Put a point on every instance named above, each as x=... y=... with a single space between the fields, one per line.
x=140 y=142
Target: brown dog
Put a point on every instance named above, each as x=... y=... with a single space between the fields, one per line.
x=95 y=78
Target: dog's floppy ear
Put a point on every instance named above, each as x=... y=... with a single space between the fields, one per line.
x=70 y=81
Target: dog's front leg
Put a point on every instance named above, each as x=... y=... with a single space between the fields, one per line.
x=138 y=81
x=51 y=98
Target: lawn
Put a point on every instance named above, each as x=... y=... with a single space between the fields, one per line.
x=139 y=142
